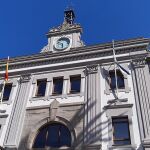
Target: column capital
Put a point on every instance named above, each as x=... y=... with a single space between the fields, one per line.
x=25 y=78
x=91 y=69
x=139 y=62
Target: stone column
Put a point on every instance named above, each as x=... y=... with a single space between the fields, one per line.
x=92 y=108
x=65 y=89
x=141 y=83
x=48 y=87
x=17 y=115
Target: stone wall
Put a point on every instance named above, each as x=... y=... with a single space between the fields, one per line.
x=69 y=115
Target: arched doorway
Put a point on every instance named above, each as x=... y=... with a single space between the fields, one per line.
x=52 y=135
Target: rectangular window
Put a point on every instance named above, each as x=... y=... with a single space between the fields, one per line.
x=75 y=83
x=57 y=86
x=7 y=90
x=120 y=79
x=121 y=133
x=41 y=87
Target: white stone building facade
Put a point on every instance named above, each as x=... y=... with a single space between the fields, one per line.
x=65 y=98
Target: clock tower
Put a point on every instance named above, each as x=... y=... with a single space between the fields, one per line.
x=65 y=36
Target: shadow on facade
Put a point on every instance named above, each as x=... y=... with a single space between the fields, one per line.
x=90 y=132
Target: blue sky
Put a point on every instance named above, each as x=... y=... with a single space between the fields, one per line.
x=24 y=23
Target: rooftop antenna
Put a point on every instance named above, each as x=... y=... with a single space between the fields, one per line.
x=69 y=14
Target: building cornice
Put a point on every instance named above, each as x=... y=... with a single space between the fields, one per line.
x=82 y=53
x=103 y=46
x=61 y=31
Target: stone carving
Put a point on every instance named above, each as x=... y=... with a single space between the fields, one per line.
x=91 y=69
x=139 y=62
x=53 y=109
x=25 y=78
x=54 y=104
x=45 y=49
x=64 y=26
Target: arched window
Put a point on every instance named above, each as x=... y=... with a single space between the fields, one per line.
x=53 y=135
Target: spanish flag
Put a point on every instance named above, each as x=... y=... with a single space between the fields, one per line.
x=6 y=73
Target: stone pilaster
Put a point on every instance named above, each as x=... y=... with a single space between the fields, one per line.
x=92 y=107
x=14 y=129
x=141 y=82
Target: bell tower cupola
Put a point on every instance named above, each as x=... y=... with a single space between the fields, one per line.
x=69 y=16
x=66 y=36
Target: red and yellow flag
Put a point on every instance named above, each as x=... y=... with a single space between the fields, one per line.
x=6 y=73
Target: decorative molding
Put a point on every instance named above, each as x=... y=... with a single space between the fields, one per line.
x=91 y=69
x=53 y=109
x=25 y=78
x=105 y=72
x=118 y=106
x=45 y=49
x=92 y=147
x=119 y=110
x=60 y=105
x=43 y=122
x=146 y=143
x=2 y=111
x=117 y=101
x=124 y=147
x=136 y=44
x=3 y=118
x=72 y=55
x=139 y=62
x=64 y=29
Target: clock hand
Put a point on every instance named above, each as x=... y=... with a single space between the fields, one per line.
x=61 y=45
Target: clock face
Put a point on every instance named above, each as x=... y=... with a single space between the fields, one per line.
x=62 y=43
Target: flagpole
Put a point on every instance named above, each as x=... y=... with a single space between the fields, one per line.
x=6 y=73
x=115 y=60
